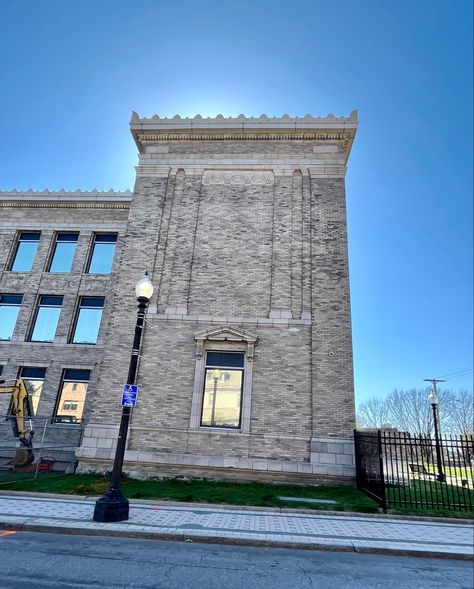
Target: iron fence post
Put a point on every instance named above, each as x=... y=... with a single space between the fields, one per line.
x=382 y=476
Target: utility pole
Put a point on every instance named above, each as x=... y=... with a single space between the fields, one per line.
x=434 y=382
x=433 y=398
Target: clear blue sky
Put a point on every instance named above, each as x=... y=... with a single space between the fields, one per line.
x=72 y=72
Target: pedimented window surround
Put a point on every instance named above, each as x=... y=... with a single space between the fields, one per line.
x=224 y=338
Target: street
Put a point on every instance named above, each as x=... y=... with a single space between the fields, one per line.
x=41 y=560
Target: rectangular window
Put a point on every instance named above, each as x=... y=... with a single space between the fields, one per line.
x=72 y=396
x=223 y=382
x=63 y=253
x=46 y=320
x=33 y=379
x=9 y=309
x=88 y=320
x=25 y=252
x=102 y=254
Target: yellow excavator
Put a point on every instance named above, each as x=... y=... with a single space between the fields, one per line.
x=20 y=409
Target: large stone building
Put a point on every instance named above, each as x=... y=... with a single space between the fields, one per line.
x=246 y=360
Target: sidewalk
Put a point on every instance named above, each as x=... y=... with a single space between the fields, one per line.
x=240 y=525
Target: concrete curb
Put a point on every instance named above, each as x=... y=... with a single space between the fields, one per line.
x=190 y=537
x=319 y=512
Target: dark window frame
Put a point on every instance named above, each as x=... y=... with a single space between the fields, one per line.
x=11 y=304
x=216 y=366
x=80 y=306
x=38 y=305
x=18 y=240
x=54 y=249
x=20 y=374
x=100 y=237
x=67 y=376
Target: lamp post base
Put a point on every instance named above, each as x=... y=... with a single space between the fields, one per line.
x=112 y=507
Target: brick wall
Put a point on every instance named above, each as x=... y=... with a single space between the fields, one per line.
x=235 y=234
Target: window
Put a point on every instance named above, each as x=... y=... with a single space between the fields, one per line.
x=46 y=320
x=9 y=309
x=102 y=254
x=88 y=320
x=223 y=381
x=33 y=379
x=63 y=253
x=25 y=252
x=223 y=378
x=72 y=396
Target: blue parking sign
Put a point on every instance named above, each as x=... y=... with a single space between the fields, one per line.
x=129 y=395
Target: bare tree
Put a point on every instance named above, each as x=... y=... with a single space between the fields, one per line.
x=459 y=412
x=410 y=411
x=373 y=413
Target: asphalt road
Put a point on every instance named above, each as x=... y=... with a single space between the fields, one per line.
x=39 y=561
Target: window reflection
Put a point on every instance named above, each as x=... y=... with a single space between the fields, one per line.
x=72 y=396
x=47 y=317
x=9 y=309
x=222 y=390
x=88 y=320
x=102 y=254
x=25 y=252
x=64 y=250
x=33 y=379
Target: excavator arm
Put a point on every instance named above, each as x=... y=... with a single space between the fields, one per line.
x=20 y=408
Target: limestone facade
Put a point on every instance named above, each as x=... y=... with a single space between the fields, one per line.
x=241 y=225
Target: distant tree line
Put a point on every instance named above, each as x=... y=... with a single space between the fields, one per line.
x=410 y=411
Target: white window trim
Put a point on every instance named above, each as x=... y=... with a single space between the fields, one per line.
x=222 y=339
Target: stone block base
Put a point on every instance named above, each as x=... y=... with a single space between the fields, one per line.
x=333 y=456
x=147 y=471
x=332 y=461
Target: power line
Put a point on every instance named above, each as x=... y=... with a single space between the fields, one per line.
x=456 y=374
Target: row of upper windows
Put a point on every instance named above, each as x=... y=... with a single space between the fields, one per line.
x=62 y=252
x=45 y=319
x=69 y=406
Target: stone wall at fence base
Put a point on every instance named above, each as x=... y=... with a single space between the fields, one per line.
x=289 y=473
x=333 y=465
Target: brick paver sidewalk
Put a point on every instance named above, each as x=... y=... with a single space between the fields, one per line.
x=246 y=526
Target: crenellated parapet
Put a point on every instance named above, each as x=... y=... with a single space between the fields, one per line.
x=156 y=130
x=241 y=119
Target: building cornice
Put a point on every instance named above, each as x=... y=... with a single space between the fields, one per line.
x=66 y=199
x=61 y=205
x=308 y=128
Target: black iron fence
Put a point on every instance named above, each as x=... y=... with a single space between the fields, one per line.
x=400 y=470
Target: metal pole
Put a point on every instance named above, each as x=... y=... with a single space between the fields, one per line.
x=439 y=455
x=213 y=410
x=113 y=506
x=441 y=476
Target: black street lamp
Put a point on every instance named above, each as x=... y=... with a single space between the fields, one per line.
x=113 y=506
x=433 y=398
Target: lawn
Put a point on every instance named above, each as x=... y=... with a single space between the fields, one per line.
x=456 y=472
x=427 y=497
x=199 y=491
